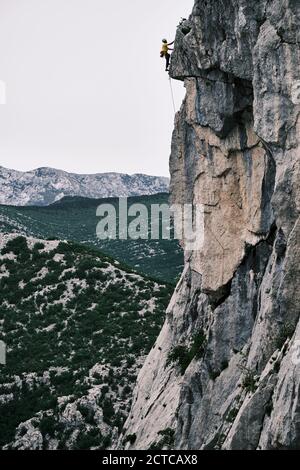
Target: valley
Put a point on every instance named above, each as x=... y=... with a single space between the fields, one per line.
x=74 y=218
x=77 y=325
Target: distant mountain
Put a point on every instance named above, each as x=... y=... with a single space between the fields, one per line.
x=45 y=186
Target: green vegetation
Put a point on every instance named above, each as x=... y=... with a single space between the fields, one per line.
x=214 y=374
x=74 y=322
x=269 y=407
x=131 y=438
x=232 y=415
x=249 y=382
x=90 y=439
x=74 y=218
x=166 y=441
x=183 y=355
x=286 y=331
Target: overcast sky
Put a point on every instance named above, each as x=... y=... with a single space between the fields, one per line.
x=86 y=89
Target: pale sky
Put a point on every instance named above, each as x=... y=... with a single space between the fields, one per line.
x=86 y=89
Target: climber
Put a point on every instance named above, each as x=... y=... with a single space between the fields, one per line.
x=165 y=52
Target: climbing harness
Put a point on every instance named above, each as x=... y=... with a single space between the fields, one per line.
x=172 y=95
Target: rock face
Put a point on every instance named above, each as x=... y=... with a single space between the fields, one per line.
x=45 y=186
x=224 y=372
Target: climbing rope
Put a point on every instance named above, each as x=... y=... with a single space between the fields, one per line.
x=172 y=95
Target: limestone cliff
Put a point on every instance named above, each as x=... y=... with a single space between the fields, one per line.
x=224 y=372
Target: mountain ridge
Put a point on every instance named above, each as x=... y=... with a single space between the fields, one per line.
x=45 y=185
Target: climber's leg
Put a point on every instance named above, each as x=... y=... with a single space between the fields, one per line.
x=167 y=62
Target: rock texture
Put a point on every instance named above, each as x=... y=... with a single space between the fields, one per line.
x=45 y=186
x=224 y=372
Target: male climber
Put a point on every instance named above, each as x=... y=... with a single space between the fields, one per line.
x=165 y=52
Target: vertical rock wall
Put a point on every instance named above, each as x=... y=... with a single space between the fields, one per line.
x=224 y=373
